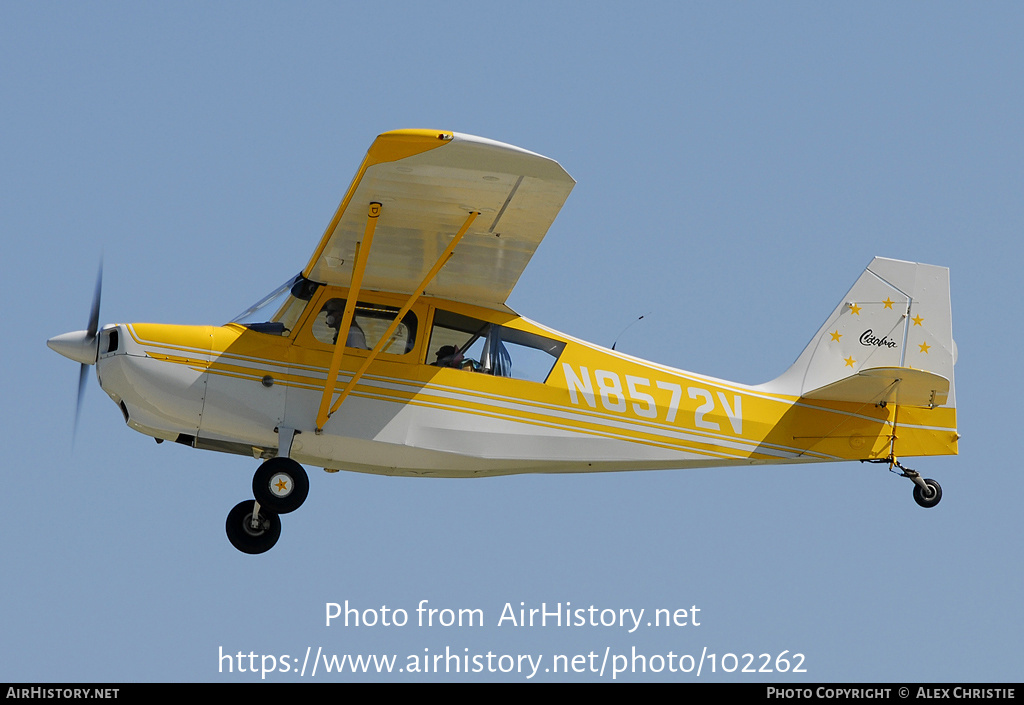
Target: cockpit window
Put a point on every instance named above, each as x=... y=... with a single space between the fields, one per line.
x=369 y=323
x=279 y=311
x=477 y=346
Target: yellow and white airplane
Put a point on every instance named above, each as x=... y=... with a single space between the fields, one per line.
x=438 y=377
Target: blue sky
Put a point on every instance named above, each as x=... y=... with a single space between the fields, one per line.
x=737 y=164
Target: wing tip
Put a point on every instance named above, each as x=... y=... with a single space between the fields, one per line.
x=399 y=144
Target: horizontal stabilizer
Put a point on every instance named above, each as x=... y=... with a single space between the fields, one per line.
x=891 y=385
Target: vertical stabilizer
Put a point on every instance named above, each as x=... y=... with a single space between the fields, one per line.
x=889 y=340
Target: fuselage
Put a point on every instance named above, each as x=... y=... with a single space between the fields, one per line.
x=513 y=397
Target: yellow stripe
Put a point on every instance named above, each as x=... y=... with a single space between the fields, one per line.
x=921 y=429
x=490 y=406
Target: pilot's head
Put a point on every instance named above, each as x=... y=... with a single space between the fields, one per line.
x=334 y=316
x=449 y=356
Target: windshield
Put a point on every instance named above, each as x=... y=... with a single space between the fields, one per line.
x=277 y=312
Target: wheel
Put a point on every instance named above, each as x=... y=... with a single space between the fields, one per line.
x=244 y=537
x=932 y=498
x=280 y=485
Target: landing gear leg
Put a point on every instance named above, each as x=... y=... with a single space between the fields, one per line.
x=280 y=485
x=927 y=492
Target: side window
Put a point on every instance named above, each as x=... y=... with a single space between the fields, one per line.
x=474 y=345
x=457 y=341
x=369 y=323
x=529 y=356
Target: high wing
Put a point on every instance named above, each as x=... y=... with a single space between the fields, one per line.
x=427 y=183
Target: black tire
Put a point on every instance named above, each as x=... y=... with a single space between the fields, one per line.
x=281 y=485
x=244 y=537
x=932 y=499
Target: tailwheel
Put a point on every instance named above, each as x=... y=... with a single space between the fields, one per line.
x=928 y=496
x=253 y=534
x=281 y=485
x=927 y=493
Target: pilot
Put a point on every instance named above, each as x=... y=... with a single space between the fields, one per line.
x=356 y=337
x=448 y=356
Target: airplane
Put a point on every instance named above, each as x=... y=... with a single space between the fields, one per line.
x=438 y=377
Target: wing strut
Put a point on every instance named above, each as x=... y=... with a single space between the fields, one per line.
x=358 y=267
x=322 y=416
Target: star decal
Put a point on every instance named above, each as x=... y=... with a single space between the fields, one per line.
x=888 y=302
x=836 y=336
x=917 y=320
x=849 y=361
x=924 y=347
x=855 y=309
x=281 y=485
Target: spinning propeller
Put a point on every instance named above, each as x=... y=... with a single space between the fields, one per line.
x=82 y=345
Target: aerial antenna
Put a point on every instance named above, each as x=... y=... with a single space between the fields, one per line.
x=627 y=328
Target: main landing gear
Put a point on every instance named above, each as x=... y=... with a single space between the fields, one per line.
x=280 y=486
x=927 y=492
